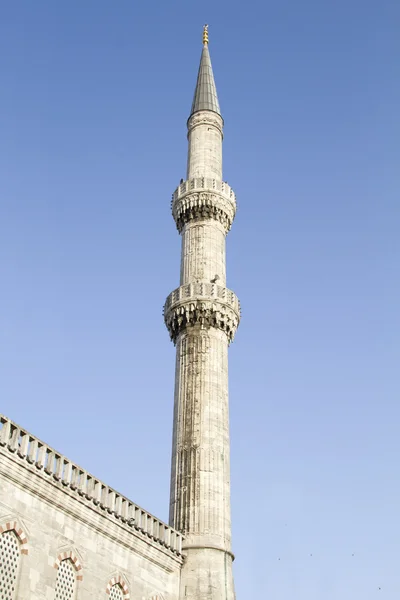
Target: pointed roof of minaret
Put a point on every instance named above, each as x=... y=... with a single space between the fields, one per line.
x=205 y=94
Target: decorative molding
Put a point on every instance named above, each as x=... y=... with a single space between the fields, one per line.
x=118 y=580
x=194 y=206
x=201 y=184
x=54 y=495
x=200 y=290
x=61 y=472
x=205 y=118
x=204 y=305
x=71 y=555
x=15 y=526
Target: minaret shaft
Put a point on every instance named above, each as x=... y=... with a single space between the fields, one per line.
x=205 y=150
x=203 y=253
x=200 y=498
x=202 y=316
x=203 y=241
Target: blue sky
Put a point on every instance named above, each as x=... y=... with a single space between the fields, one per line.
x=93 y=107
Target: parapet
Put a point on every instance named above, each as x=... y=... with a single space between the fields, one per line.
x=204 y=183
x=203 y=304
x=62 y=472
x=203 y=198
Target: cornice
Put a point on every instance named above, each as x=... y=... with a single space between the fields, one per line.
x=55 y=494
x=204 y=305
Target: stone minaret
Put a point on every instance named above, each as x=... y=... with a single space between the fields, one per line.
x=202 y=316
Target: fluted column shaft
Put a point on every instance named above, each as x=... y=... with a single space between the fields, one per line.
x=202 y=316
x=203 y=252
x=200 y=479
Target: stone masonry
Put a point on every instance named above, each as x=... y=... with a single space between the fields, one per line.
x=57 y=511
x=202 y=316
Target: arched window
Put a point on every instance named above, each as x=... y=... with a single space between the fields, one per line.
x=117 y=588
x=9 y=561
x=13 y=544
x=116 y=592
x=66 y=580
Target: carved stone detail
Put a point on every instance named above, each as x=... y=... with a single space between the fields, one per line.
x=205 y=118
x=203 y=206
x=202 y=304
x=204 y=184
x=203 y=199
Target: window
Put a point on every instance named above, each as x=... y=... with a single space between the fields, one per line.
x=9 y=560
x=116 y=592
x=117 y=588
x=66 y=581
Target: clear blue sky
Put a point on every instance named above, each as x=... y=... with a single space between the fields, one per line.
x=93 y=106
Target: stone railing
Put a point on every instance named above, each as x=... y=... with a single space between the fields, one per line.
x=201 y=290
x=203 y=198
x=200 y=184
x=202 y=304
x=60 y=469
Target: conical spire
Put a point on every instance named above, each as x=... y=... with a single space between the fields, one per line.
x=205 y=95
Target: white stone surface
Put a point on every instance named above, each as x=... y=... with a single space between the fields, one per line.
x=200 y=493
x=56 y=518
x=203 y=252
x=203 y=209
x=205 y=145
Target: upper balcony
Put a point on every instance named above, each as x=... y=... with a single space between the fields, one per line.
x=200 y=184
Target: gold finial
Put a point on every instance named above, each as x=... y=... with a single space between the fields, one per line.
x=205 y=35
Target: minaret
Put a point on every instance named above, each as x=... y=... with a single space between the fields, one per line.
x=202 y=316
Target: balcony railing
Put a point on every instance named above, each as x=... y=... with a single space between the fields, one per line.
x=59 y=469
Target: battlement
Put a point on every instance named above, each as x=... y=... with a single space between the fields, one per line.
x=60 y=470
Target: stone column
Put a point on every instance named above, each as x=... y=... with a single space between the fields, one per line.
x=205 y=145
x=202 y=316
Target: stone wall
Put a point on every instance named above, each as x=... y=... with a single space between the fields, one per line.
x=100 y=546
x=205 y=145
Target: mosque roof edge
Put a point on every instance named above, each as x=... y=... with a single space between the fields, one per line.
x=31 y=449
